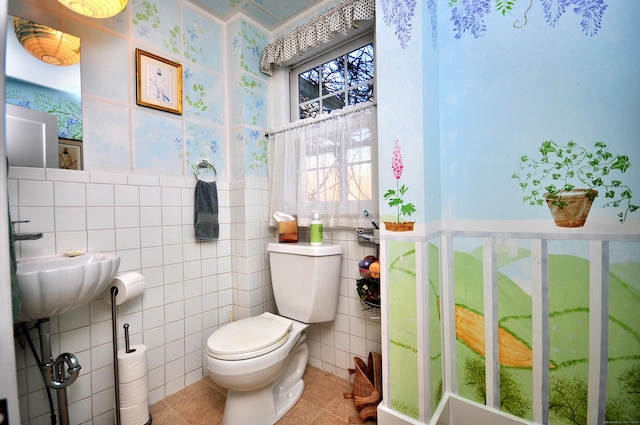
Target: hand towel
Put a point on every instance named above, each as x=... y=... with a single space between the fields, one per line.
x=205 y=220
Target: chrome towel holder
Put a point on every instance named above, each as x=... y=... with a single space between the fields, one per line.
x=205 y=164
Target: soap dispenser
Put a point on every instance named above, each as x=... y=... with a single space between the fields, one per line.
x=316 y=229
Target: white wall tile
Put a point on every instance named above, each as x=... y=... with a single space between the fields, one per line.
x=101 y=240
x=100 y=218
x=173 y=312
x=150 y=216
x=127 y=217
x=126 y=196
x=127 y=239
x=171 y=216
x=152 y=318
x=70 y=218
x=70 y=194
x=171 y=196
x=35 y=193
x=150 y=237
x=70 y=240
x=100 y=195
x=151 y=257
x=150 y=196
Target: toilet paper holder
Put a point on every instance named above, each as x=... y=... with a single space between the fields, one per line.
x=114 y=313
x=127 y=347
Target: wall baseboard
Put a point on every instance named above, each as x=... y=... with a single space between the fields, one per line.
x=453 y=410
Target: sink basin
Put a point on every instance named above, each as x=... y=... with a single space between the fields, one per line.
x=56 y=284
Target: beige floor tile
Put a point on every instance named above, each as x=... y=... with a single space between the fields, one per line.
x=202 y=403
x=162 y=414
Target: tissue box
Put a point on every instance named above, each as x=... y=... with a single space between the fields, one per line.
x=288 y=231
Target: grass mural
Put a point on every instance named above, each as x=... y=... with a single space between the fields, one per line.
x=568 y=333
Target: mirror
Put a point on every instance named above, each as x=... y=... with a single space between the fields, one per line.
x=35 y=84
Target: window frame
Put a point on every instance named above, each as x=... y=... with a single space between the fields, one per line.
x=326 y=55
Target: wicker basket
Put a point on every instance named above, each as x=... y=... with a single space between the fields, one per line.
x=367 y=387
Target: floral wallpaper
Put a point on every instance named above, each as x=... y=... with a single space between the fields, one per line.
x=203 y=142
x=43 y=99
x=246 y=47
x=177 y=32
x=249 y=100
x=157 y=24
x=398 y=15
x=201 y=41
x=468 y=16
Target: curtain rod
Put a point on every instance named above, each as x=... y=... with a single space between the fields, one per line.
x=322 y=117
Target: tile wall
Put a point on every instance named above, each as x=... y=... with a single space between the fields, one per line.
x=191 y=287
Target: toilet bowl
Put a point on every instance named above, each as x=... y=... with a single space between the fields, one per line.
x=261 y=359
x=268 y=379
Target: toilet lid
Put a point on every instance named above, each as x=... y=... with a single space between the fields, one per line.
x=249 y=337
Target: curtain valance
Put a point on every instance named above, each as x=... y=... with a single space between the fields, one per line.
x=320 y=29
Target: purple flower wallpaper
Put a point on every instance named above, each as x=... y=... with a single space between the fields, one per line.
x=398 y=15
x=468 y=16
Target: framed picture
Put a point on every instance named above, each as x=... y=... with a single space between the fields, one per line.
x=70 y=154
x=159 y=82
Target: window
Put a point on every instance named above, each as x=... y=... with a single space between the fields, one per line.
x=328 y=162
x=341 y=77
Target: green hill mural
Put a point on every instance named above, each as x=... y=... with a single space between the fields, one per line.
x=568 y=332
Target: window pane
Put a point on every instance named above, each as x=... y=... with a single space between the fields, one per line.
x=359 y=177
x=361 y=94
x=333 y=102
x=308 y=83
x=360 y=65
x=309 y=110
x=333 y=76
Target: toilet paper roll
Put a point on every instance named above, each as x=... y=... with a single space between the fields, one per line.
x=130 y=285
x=133 y=393
x=135 y=415
x=132 y=366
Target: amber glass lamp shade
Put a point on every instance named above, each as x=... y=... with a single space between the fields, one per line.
x=96 y=8
x=47 y=44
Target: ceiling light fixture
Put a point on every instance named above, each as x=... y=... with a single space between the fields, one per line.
x=47 y=44
x=95 y=8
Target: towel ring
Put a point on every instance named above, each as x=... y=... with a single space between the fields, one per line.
x=205 y=164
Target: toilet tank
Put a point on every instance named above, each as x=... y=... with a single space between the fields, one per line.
x=306 y=280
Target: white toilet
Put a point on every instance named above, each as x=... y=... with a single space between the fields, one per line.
x=261 y=359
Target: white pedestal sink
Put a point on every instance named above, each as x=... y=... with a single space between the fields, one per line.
x=56 y=284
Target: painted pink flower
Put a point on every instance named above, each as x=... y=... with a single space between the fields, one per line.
x=395 y=197
x=396 y=161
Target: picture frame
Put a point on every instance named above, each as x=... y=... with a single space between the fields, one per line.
x=70 y=156
x=158 y=82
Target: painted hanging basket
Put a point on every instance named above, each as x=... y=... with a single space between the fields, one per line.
x=405 y=226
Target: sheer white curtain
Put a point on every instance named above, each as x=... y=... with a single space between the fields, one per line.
x=329 y=164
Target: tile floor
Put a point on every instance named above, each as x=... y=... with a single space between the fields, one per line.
x=321 y=403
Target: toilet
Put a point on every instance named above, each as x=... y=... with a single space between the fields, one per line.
x=261 y=359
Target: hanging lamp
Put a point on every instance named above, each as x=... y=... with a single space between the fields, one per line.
x=47 y=44
x=95 y=8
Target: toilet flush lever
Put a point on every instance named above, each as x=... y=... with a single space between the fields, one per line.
x=127 y=348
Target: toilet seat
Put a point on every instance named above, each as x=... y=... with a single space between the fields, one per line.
x=251 y=337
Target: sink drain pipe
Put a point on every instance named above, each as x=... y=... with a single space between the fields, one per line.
x=56 y=375
x=34 y=352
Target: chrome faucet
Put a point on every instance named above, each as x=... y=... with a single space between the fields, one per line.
x=24 y=236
